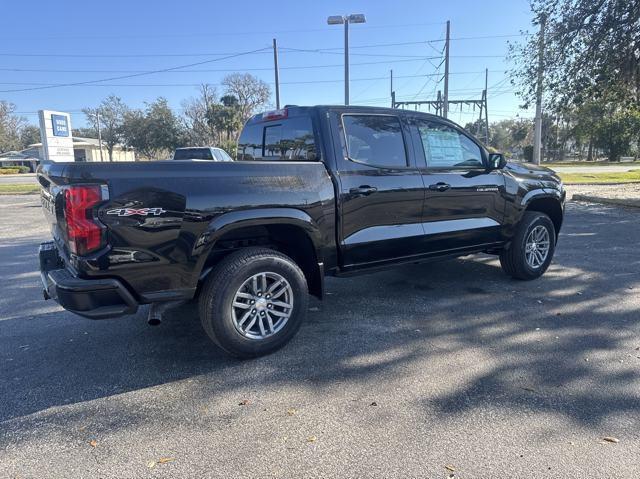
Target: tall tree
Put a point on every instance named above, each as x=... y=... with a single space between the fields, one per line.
x=10 y=127
x=251 y=92
x=155 y=131
x=29 y=135
x=226 y=118
x=197 y=113
x=591 y=52
x=111 y=113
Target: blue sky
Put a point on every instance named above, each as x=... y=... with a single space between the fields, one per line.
x=57 y=42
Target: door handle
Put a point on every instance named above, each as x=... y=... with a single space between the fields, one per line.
x=363 y=190
x=440 y=187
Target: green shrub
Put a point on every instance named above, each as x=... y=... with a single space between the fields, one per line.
x=13 y=170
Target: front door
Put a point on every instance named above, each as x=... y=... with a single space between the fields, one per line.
x=464 y=203
x=381 y=191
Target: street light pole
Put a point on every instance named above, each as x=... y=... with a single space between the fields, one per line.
x=346 y=20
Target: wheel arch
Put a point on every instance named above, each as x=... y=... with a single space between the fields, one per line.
x=547 y=203
x=288 y=230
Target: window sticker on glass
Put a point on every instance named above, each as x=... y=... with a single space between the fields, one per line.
x=444 y=147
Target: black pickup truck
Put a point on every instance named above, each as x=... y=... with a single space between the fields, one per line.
x=315 y=191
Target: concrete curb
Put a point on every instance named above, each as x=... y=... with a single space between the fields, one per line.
x=614 y=183
x=607 y=201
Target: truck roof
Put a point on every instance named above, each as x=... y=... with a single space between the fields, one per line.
x=296 y=110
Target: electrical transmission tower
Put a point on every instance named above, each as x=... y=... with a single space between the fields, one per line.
x=441 y=105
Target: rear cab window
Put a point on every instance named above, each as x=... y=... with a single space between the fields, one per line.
x=280 y=139
x=193 y=154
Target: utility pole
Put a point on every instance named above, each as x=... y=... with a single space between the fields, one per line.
x=480 y=118
x=445 y=110
x=99 y=133
x=486 y=106
x=537 y=132
x=393 y=93
x=277 y=73
x=346 y=62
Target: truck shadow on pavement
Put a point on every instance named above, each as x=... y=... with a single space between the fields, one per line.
x=460 y=335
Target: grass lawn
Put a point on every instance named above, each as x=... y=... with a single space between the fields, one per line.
x=606 y=177
x=18 y=189
x=632 y=176
x=551 y=164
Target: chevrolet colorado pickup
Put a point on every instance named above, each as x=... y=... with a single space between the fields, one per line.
x=315 y=191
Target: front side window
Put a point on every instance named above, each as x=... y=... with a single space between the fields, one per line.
x=445 y=147
x=375 y=140
x=290 y=139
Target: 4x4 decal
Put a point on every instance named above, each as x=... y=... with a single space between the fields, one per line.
x=136 y=211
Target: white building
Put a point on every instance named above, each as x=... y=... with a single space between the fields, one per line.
x=88 y=149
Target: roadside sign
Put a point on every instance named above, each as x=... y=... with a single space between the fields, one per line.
x=55 y=133
x=60 y=125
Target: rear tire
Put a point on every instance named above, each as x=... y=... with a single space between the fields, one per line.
x=530 y=254
x=245 y=329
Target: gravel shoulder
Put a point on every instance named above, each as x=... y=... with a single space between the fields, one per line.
x=620 y=194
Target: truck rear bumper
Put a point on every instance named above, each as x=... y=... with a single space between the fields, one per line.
x=91 y=298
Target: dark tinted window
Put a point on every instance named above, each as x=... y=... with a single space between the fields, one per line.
x=291 y=139
x=250 y=143
x=445 y=147
x=375 y=140
x=193 y=154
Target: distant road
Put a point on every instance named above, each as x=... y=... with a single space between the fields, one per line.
x=18 y=179
x=594 y=169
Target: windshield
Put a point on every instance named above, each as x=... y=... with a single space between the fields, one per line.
x=193 y=154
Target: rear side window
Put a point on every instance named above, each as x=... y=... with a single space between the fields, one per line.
x=193 y=154
x=375 y=140
x=288 y=140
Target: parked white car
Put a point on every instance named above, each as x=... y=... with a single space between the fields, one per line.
x=201 y=153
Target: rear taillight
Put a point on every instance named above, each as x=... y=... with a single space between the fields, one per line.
x=84 y=232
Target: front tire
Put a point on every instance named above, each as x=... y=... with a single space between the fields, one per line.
x=532 y=247
x=253 y=302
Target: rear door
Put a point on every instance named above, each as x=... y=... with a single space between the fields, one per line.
x=464 y=203
x=380 y=189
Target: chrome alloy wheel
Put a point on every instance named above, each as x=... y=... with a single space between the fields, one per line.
x=262 y=305
x=537 y=246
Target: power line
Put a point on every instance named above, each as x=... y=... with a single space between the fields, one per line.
x=235 y=33
x=89 y=82
x=219 y=70
x=309 y=50
x=323 y=51
x=301 y=82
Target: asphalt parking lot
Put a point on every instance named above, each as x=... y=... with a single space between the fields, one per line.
x=428 y=371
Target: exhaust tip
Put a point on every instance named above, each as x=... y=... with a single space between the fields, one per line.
x=154 y=321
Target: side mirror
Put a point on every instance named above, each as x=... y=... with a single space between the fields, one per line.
x=497 y=161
